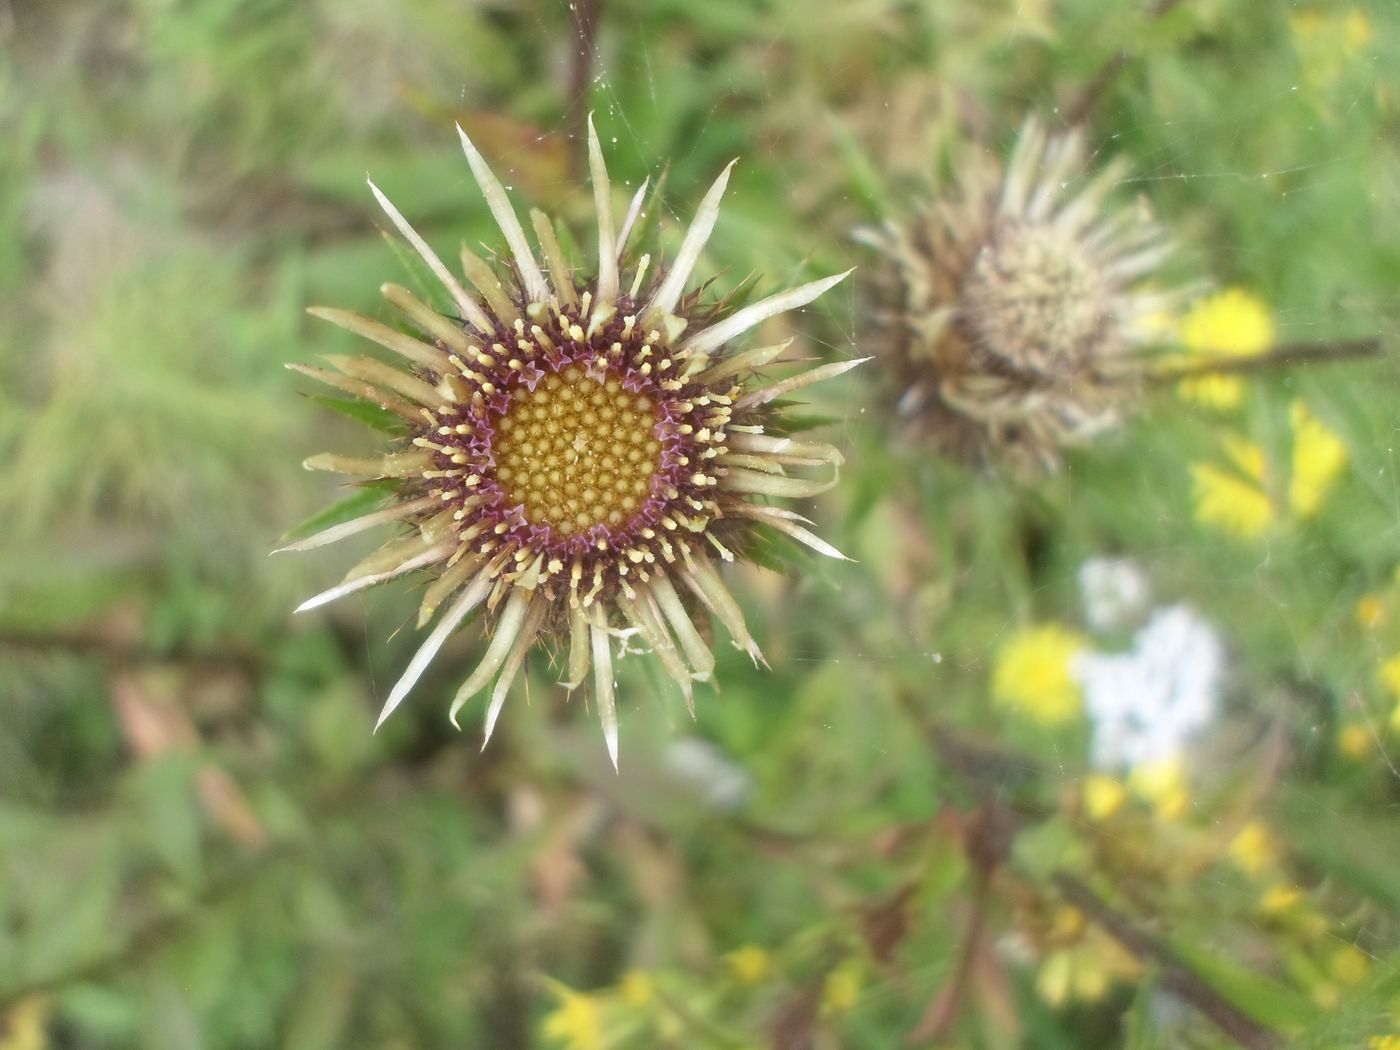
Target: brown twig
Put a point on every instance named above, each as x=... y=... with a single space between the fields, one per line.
x=1078 y=110
x=1176 y=975
x=987 y=772
x=124 y=654
x=987 y=839
x=587 y=15
x=947 y=1005
x=1285 y=355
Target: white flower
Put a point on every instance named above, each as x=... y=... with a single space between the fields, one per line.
x=1115 y=592
x=1147 y=703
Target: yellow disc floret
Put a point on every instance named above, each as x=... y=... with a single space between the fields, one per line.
x=577 y=451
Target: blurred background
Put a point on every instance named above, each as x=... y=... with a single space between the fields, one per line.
x=935 y=822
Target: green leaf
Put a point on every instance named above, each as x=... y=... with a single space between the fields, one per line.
x=798 y=422
x=335 y=730
x=862 y=176
x=1355 y=1016
x=640 y=241
x=770 y=549
x=362 y=412
x=1047 y=847
x=742 y=294
x=166 y=809
x=324 y=1005
x=421 y=280
x=1360 y=850
x=1267 y=1001
x=366 y=498
x=101 y=1010
x=68 y=912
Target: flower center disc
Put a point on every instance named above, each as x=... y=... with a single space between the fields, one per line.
x=1035 y=299
x=577 y=452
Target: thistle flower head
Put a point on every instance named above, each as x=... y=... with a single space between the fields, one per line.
x=1015 y=306
x=579 y=452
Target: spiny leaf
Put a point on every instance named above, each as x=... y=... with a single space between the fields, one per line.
x=798 y=422
x=366 y=498
x=362 y=412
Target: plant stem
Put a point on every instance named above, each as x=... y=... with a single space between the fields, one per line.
x=1083 y=106
x=1283 y=356
x=1176 y=975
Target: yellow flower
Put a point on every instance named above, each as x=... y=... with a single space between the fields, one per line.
x=1280 y=899
x=1232 y=323
x=1349 y=964
x=1253 y=848
x=1327 y=41
x=1067 y=925
x=1234 y=500
x=578 y=1022
x=1083 y=972
x=1354 y=740
x=1246 y=456
x=636 y=988
x=750 y=964
x=1233 y=505
x=1054 y=981
x=1213 y=390
x=1370 y=610
x=1103 y=796
x=1163 y=785
x=23 y=1026
x=1384 y=1042
x=1358 y=30
x=842 y=988
x=1318 y=457
x=1352 y=26
x=1326 y=995
x=1035 y=673
x=1389 y=674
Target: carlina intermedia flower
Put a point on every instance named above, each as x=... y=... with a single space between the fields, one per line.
x=1018 y=307
x=578 y=455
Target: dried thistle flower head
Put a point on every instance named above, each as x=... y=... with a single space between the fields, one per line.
x=578 y=454
x=1016 y=307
